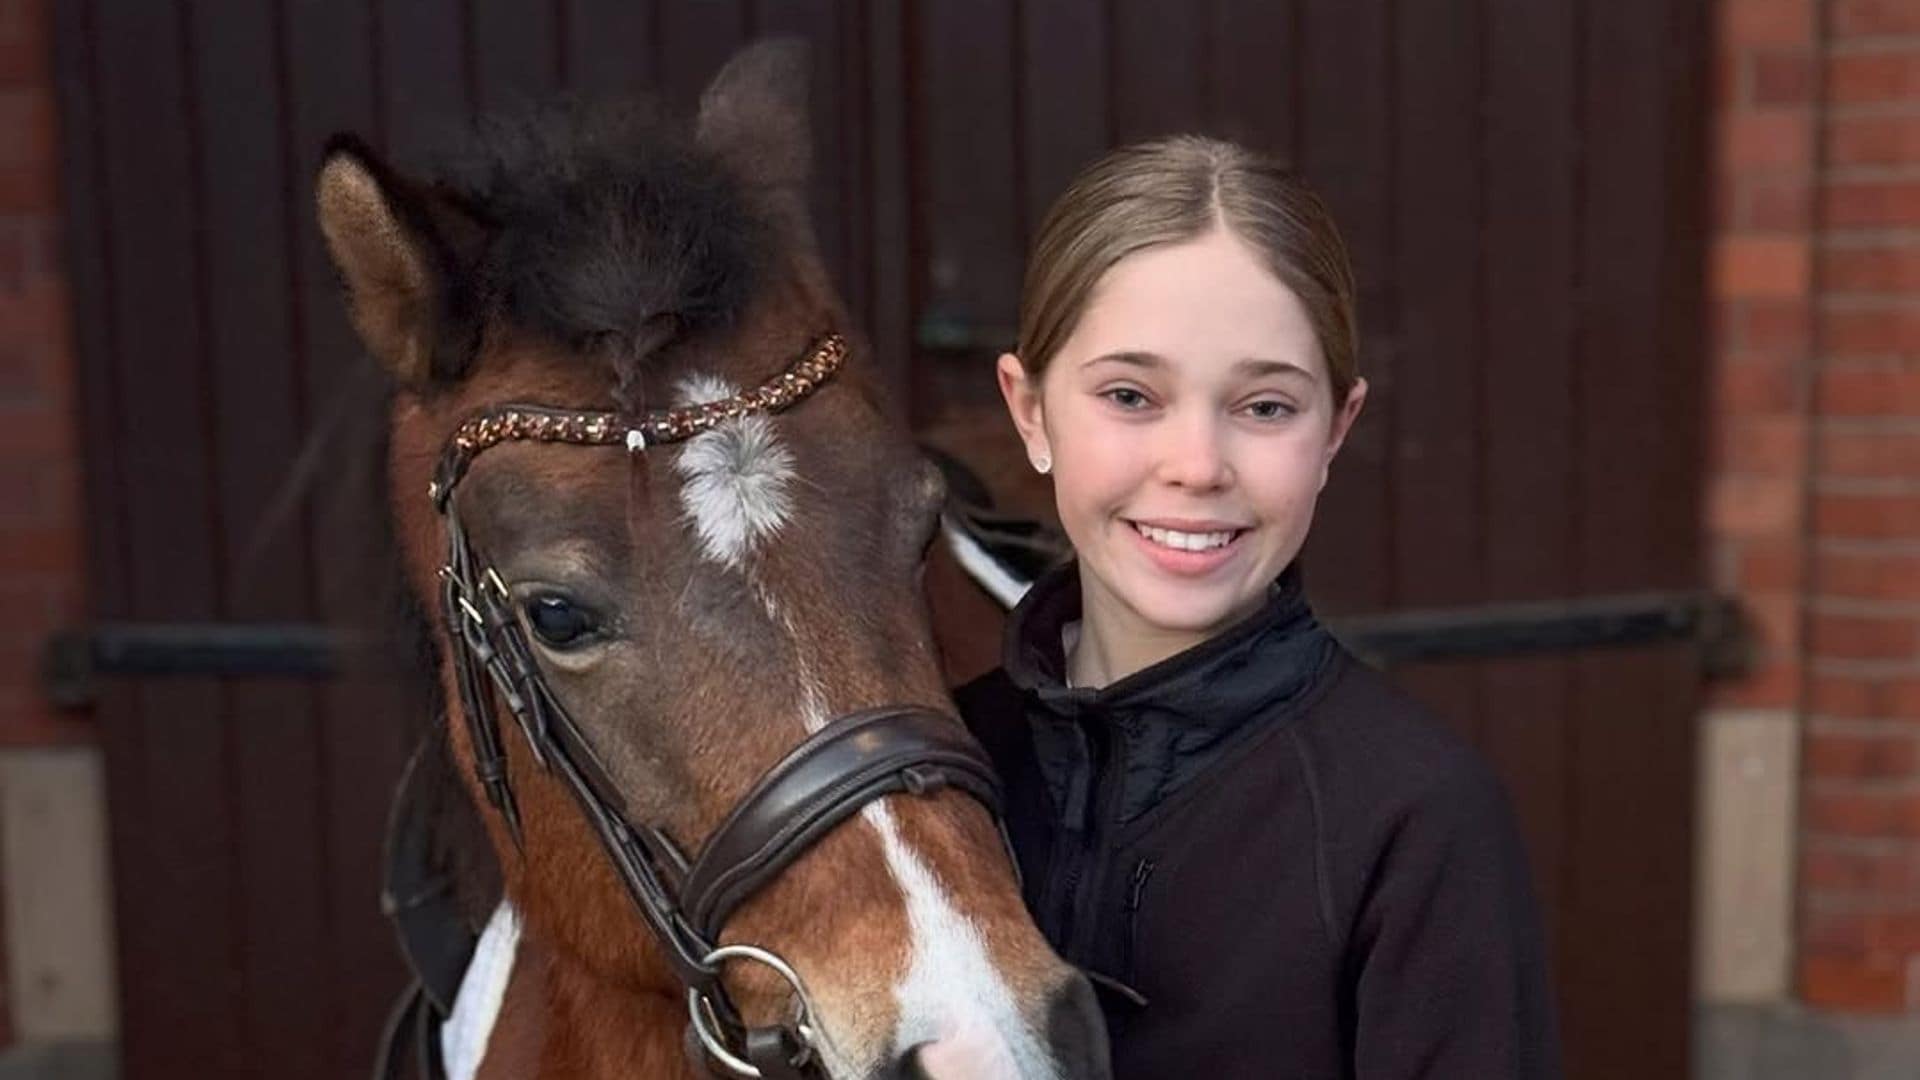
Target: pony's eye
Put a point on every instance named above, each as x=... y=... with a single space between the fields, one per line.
x=558 y=622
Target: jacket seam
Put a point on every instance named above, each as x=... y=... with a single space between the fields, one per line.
x=1322 y=873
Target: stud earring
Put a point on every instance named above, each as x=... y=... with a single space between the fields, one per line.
x=1042 y=464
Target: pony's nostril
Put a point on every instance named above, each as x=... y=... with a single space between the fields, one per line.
x=909 y=1067
x=1077 y=1033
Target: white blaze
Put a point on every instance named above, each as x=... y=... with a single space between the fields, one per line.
x=735 y=477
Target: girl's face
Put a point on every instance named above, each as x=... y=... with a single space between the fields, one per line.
x=1190 y=422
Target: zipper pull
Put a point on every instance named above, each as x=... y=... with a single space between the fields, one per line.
x=1142 y=870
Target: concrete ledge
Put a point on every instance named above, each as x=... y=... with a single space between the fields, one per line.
x=60 y=1061
x=1785 y=1042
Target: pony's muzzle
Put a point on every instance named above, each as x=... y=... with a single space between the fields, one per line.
x=1075 y=1040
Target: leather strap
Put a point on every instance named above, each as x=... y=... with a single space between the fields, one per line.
x=836 y=772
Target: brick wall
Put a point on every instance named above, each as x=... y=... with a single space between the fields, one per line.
x=1860 y=886
x=41 y=541
x=1816 y=520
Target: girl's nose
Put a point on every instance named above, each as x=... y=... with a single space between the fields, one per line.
x=1191 y=455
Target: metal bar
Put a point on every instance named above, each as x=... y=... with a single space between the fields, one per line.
x=73 y=663
x=1565 y=626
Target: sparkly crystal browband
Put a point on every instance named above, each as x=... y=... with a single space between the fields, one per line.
x=539 y=423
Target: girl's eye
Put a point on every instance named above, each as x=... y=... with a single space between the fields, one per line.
x=558 y=622
x=1270 y=409
x=1126 y=397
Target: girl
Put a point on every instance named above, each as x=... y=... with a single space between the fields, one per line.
x=1271 y=862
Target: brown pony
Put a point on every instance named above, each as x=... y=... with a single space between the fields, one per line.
x=697 y=607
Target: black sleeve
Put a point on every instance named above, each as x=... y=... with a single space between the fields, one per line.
x=1447 y=963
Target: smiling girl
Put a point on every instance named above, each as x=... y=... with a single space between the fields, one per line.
x=1273 y=863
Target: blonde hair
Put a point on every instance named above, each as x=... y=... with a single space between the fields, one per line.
x=1172 y=190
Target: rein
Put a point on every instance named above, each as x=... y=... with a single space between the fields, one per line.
x=850 y=762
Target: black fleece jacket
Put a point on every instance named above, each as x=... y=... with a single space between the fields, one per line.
x=1272 y=863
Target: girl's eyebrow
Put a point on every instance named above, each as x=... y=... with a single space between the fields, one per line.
x=1257 y=367
x=1250 y=367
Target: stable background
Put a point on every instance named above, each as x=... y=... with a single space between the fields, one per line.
x=1638 y=301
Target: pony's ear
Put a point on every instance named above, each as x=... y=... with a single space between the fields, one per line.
x=754 y=114
x=400 y=249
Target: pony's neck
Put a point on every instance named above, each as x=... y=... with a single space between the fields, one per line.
x=560 y=1020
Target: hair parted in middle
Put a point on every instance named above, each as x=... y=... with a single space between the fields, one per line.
x=1175 y=189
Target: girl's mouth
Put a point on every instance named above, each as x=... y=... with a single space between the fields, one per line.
x=1187 y=540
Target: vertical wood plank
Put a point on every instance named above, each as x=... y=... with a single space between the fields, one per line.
x=162 y=390
x=516 y=53
x=1634 y=713
x=1065 y=110
x=1162 y=74
x=1255 y=85
x=425 y=73
x=886 y=120
x=1437 y=412
x=334 y=80
x=258 y=406
x=1346 y=151
x=612 y=47
x=1529 y=182
x=695 y=40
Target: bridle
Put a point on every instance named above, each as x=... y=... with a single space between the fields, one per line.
x=851 y=761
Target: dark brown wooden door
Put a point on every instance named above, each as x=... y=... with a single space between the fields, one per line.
x=1521 y=184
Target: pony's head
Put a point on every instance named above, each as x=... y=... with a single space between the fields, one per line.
x=697 y=608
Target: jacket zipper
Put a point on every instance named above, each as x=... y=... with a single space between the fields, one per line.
x=1083 y=900
x=1142 y=870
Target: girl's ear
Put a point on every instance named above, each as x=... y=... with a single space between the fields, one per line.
x=1342 y=424
x=1021 y=392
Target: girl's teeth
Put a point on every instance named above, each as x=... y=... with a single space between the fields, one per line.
x=1185 y=541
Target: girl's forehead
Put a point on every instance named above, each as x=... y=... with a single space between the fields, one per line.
x=1195 y=305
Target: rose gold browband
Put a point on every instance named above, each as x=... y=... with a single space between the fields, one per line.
x=504 y=423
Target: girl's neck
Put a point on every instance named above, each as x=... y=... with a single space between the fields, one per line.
x=1111 y=642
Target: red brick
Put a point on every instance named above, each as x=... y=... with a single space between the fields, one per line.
x=1881 y=268
x=1864 y=391
x=1862 y=813
x=1872 y=78
x=1854 y=984
x=1751 y=23
x=1888 y=576
x=1868 y=454
x=1774 y=204
x=1779 y=327
x=25 y=44
x=1752 y=505
x=1770 y=565
x=1880 y=139
x=1774 y=619
x=1762 y=444
x=1883 y=329
x=1867 y=517
x=1781 y=77
x=1849 y=697
x=54 y=551
x=1869 y=203
x=1762 y=139
x=1760 y=266
x=1900 y=699
x=1873 y=874
x=1873 y=18
x=1756 y=388
x=1864 y=637
x=1861 y=757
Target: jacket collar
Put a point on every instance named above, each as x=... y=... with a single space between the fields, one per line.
x=1168 y=720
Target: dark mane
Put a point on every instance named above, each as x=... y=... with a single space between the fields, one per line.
x=608 y=226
